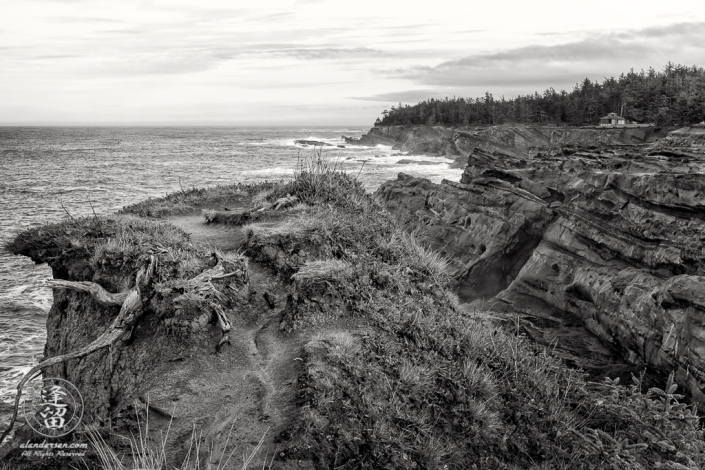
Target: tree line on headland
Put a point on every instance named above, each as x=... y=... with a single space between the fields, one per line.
x=673 y=96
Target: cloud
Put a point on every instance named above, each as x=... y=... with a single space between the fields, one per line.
x=55 y=56
x=597 y=56
x=675 y=29
x=276 y=16
x=80 y=19
x=406 y=96
x=321 y=53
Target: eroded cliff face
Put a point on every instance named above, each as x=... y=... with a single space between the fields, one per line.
x=514 y=140
x=608 y=235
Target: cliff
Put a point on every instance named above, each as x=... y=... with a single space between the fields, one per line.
x=514 y=140
x=322 y=335
x=605 y=238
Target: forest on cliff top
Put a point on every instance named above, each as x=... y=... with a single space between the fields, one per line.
x=673 y=96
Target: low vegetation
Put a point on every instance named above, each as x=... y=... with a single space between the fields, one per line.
x=396 y=374
x=149 y=451
x=189 y=200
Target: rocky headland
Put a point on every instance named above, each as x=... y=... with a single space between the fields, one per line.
x=515 y=140
x=590 y=240
x=302 y=325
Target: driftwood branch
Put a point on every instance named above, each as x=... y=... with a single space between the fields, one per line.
x=129 y=314
x=99 y=294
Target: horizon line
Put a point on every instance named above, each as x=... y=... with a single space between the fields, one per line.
x=179 y=125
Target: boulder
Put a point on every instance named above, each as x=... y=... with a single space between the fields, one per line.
x=315 y=143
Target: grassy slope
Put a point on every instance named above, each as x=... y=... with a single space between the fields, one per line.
x=427 y=385
x=396 y=375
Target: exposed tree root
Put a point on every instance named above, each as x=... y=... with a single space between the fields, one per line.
x=130 y=312
x=99 y=294
x=224 y=327
x=202 y=285
x=285 y=201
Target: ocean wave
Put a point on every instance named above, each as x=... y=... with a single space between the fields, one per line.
x=19 y=307
x=74 y=189
x=270 y=171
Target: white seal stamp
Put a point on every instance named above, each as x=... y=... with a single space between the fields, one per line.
x=53 y=407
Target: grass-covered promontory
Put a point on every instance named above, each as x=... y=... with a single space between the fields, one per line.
x=393 y=373
x=419 y=382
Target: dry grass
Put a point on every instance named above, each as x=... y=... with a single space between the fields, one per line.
x=321 y=180
x=262 y=197
x=436 y=264
x=293 y=226
x=131 y=237
x=148 y=453
x=189 y=200
x=431 y=386
x=327 y=269
x=209 y=215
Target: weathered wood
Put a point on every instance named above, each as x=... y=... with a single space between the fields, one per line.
x=222 y=319
x=287 y=200
x=99 y=294
x=223 y=276
x=129 y=314
x=208 y=274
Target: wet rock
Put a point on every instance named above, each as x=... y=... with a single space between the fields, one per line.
x=312 y=142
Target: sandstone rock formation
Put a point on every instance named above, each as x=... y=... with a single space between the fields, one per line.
x=608 y=236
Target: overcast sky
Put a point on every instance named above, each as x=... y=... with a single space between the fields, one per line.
x=310 y=62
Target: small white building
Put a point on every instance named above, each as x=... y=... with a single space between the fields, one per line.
x=612 y=119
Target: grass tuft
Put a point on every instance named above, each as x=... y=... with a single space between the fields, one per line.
x=294 y=226
x=148 y=453
x=320 y=180
x=328 y=269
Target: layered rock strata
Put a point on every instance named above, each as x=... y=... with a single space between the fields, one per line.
x=607 y=236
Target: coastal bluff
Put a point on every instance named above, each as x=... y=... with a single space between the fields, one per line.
x=302 y=326
x=546 y=231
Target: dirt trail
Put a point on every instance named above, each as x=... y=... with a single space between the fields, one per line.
x=245 y=392
x=225 y=237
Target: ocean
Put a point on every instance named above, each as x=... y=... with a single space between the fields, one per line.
x=47 y=173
